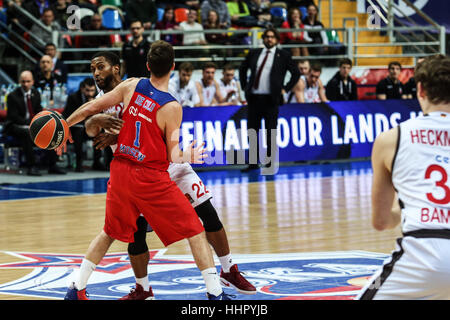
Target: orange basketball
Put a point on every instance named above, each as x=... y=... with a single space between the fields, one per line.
x=48 y=129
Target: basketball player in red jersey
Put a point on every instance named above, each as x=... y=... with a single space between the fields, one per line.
x=104 y=67
x=139 y=182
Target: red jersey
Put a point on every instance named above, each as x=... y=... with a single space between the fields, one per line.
x=140 y=139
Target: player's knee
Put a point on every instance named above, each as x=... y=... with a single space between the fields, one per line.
x=139 y=245
x=208 y=214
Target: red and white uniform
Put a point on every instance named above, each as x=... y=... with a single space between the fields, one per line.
x=420 y=266
x=139 y=182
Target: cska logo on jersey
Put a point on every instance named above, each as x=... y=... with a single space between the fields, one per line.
x=287 y=276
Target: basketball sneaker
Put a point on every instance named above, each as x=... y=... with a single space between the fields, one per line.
x=139 y=293
x=222 y=296
x=235 y=279
x=74 y=294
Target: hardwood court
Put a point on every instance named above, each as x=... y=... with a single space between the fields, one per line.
x=298 y=214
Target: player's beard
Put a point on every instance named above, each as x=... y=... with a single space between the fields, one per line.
x=106 y=82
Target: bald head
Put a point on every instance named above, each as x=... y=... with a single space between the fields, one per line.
x=46 y=63
x=26 y=80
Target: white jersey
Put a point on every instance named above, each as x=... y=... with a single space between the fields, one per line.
x=186 y=96
x=421 y=172
x=226 y=88
x=116 y=111
x=208 y=93
x=311 y=94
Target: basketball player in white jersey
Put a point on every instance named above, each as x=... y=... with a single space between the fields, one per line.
x=183 y=88
x=229 y=86
x=411 y=187
x=310 y=88
x=188 y=182
x=208 y=88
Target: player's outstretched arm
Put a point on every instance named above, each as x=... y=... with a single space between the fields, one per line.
x=169 y=120
x=102 y=121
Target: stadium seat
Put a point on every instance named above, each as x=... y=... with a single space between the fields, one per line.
x=160 y=12
x=180 y=14
x=279 y=12
x=304 y=11
x=111 y=19
x=333 y=37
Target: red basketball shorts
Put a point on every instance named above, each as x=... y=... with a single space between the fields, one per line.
x=134 y=189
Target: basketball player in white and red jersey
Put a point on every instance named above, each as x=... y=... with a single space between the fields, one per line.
x=411 y=187
x=139 y=182
x=102 y=67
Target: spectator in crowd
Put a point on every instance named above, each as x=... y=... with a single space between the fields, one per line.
x=240 y=14
x=263 y=90
x=142 y=10
x=342 y=87
x=208 y=88
x=37 y=7
x=311 y=89
x=311 y=22
x=134 y=52
x=391 y=87
x=220 y=7
x=59 y=67
x=230 y=88
x=22 y=105
x=168 y=23
x=60 y=10
x=300 y=36
x=260 y=9
x=85 y=93
x=212 y=22
x=195 y=4
x=291 y=96
x=14 y=17
x=183 y=88
x=46 y=77
x=48 y=19
x=411 y=86
x=95 y=41
x=193 y=38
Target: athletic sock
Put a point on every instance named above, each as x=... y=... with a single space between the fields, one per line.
x=144 y=283
x=226 y=262
x=86 y=269
x=212 y=281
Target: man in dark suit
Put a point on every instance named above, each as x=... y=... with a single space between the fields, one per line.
x=85 y=93
x=264 y=89
x=22 y=105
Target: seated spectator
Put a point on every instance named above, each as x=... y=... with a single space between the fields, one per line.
x=294 y=21
x=46 y=77
x=240 y=14
x=59 y=67
x=60 y=10
x=208 y=88
x=22 y=105
x=311 y=89
x=194 y=38
x=37 y=7
x=195 y=4
x=95 y=41
x=230 y=88
x=134 y=53
x=311 y=22
x=213 y=23
x=261 y=10
x=182 y=87
x=220 y=7
x=168 y=23
x=85 y=93
x=342 y=87
x=142 y=10
x=391 y=87
x=411 y=86
x=48 y=19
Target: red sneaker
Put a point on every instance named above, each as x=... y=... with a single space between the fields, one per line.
x=235 y=279
x=138 y=293
x=74 y=294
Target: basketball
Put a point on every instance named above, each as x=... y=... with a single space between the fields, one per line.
x=48 y=129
